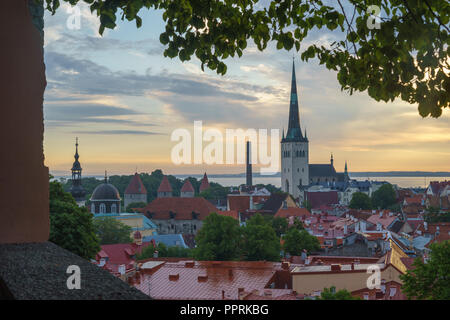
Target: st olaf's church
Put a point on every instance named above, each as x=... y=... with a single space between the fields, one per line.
x=297 y=174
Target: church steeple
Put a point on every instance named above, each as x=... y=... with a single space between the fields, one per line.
x=76 y=189
x=294 y=132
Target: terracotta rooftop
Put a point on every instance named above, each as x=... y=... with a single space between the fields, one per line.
x=136 y=186
x=165 y=185
x=230 y=213
x=181 y=208
x=317 y=199
x=214 y=280
x=187 y=186
x=204 y=184
x=385 y=220
x=293 y=212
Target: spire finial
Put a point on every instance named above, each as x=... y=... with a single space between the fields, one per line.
x=76 y=156
x=106 y=177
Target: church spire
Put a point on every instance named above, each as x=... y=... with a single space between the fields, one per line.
x=294 y=132
x=76 y=189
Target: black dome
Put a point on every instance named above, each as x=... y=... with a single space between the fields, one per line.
x=105 y=191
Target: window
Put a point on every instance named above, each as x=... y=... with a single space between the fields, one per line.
x=366 y=296
x=113 y=208
x=92 y=208
x=102 y=208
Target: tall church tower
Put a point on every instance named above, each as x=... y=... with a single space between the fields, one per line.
x=77 y=189
x=294 y=149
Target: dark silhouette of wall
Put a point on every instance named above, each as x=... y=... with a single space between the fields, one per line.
x=24 y=194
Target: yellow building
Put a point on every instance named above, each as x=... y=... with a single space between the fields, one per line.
x=311 y=280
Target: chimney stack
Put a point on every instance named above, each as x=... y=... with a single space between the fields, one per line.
x=249 y=181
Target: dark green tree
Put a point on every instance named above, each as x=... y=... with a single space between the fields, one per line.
x=71 y=226
x=111 y=231
x=332 y=294
x=218 y=239
x=134 y=205
x=164 y=251
x=384 y=197
x=280 y=225
x=433 y=215
x=260 y=240
x=404 y=56
x=295 y=241
x=430 y=280
x=360 y=200
x=298 y=224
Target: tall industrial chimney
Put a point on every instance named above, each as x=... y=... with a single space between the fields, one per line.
x=249 y=166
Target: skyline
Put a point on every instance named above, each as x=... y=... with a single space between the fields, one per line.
x=123 y=99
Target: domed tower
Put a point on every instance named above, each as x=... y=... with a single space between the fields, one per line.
x=294 y=149
x=77 y=189
x=105 y=199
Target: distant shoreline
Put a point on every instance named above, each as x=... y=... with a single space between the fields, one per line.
x=364 y=174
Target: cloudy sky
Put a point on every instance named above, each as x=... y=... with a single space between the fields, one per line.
x=123 y=99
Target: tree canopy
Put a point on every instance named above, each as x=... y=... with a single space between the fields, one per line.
x=430 y=280
x=397 y=49
x=295 y=241
x=260 y=240
x=111 y=231
x=332 y=294
x=218 y=239
x=71 y=226
x=360 y=200
x=384 y=197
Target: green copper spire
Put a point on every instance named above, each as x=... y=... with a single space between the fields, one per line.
x=294 y=132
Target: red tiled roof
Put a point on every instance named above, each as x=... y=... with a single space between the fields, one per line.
x=385 y=220
x=120 y=253
x=187 y=186
x=211 y=280
x=165 y=185
x=437 y=186
x=414 y=200
x=231 y=213
x=136 y=186
x=160 y=208
x=317 y=199
x=205 y=183
x=293 y=212
x=239 y=203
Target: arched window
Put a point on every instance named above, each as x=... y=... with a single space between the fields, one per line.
x=93 y=208
x=113 y=208
x=287 y=185
x=102 y=208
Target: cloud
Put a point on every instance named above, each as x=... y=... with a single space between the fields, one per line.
x=83 y=76
x=59 y=114
x=117 y=132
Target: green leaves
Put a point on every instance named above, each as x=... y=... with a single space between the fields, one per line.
x=406 y=58
x=429 y=281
